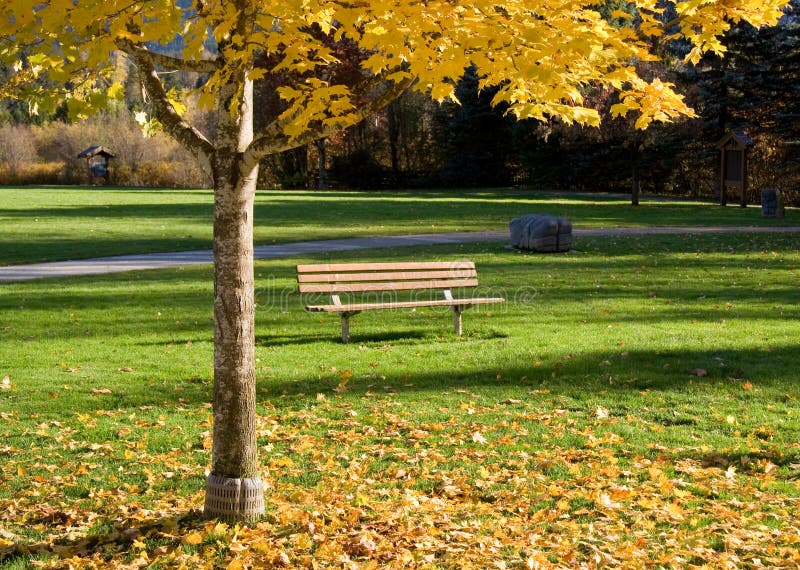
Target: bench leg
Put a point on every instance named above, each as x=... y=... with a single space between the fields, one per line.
x=345 y=328
x=346 y=325
x=457 y=319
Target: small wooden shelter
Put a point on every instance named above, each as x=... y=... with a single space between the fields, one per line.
x=97 y=157
x=733 y=165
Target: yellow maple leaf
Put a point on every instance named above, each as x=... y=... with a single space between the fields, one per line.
x=193 y=538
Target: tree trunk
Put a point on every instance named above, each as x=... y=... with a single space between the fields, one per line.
x=393 y=124
x=722 y=122
x=233 y=489
x=635 y=182
x=322 y=170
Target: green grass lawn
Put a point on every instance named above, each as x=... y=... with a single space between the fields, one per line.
x=54 y=223
x=634 y=404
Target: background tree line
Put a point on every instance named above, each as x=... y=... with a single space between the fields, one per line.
x=416 y=142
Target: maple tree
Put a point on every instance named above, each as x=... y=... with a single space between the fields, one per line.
x=539 y=56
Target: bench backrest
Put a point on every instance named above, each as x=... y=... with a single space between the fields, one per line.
x=358 y=277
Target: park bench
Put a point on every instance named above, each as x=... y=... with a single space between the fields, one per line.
x=386 y=280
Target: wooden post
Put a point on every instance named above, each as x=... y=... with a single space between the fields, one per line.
x=457 y=319
x=457 y=310
x=743 y=197
x=345 y=328
x=346 y=322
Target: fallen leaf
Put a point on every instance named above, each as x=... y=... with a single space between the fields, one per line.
x=344 y=378
x=605 y=501
x=363 y=545
x=747 y=386
x=98 y=391
x=699 y=372
x=675 y=510
x=125 y=369
x=477 y=437
x=193 y=538
x=6 y=383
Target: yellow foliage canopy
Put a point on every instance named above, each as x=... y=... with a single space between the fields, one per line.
x=542 y=55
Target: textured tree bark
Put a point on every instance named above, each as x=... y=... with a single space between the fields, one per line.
x=234 y=452
x=233 y=490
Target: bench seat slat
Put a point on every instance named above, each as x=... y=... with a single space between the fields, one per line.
x=385 y=276
x=402 y=305
x=393 y=286
x=397 y=266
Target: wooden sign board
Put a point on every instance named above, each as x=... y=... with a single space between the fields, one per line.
x=733 y=164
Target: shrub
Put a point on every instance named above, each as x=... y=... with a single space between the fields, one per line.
x=17 y=148
x=35 y=173
x=47 y=154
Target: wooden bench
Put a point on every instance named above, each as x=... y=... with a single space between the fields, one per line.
x=338 y=278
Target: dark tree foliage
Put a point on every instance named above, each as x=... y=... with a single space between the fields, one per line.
x=757 y=84
x=756 y=87
x=474 y=138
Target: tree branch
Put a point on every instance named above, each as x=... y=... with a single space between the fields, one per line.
x=140 y=53
x=192 y=139
x=379 y=92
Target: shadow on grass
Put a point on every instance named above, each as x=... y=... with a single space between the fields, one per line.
x=115 y=540
x=582 y=376
x=750 y=461
x=329 y=332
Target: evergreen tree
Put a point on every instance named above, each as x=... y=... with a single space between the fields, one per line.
x=475 y=137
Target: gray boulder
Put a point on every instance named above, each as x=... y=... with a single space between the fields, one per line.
x=541 y=232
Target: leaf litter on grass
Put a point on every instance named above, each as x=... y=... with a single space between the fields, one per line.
x=386 y=488
x=537 y=478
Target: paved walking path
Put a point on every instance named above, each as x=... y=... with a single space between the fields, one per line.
x=122 y=263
